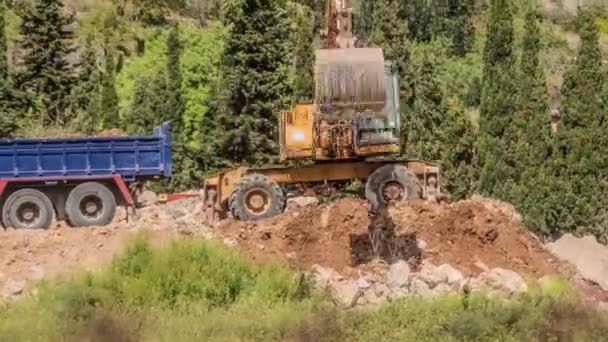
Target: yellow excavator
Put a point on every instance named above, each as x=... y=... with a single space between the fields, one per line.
x=351 y=131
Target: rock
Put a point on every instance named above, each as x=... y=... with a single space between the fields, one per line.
x=301 y=202
x=230 y=242
x=422 y=245
x=420 y=288
x=325 y=217
x=13 y=288
x=381 y=290
x=346 y=293
x=508 y=280
x=441 y=289
x=602 y=306
x=589 y=257
x=325 y=276
x=398 y=274
x=37 y=273
x=291 y=255
x=370 y=297
x=261 y=247
x=431 y=274
x=363 y=284
x=147 y=198
x=483 y=267
x=453 y=276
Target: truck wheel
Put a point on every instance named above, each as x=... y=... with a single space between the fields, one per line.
x=392 y=184
x=90 y=204
x=27 y=209
x=256 y=197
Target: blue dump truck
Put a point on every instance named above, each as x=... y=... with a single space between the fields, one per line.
x=81 y=180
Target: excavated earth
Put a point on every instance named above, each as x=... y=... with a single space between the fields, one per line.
x=472 y=236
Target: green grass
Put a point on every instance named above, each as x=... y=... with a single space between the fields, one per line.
x=200 y=291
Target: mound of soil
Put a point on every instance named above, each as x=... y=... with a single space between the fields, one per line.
x=469 y=235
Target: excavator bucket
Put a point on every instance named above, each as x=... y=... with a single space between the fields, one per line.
x=349 y=82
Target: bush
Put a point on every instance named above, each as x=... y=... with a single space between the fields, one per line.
x=200 y=291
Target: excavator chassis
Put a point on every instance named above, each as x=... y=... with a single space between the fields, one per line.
x=255 y=187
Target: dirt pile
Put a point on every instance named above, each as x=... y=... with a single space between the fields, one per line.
x=471 y=235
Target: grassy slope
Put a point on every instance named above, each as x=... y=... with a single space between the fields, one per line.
x=195 y=291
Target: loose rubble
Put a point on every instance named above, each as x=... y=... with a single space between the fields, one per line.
x=399 y=282
x=473 y=245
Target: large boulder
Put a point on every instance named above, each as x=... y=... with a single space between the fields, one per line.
x=325 y=276
x=589 y=257
x=346 y=293
x=398 y=274
x=451 y=275
x=505 y=280
x=13 y=288
x=301 y=202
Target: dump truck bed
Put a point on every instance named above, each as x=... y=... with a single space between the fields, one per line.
x=132 y=158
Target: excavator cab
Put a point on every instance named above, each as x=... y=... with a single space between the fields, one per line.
x=355 y=113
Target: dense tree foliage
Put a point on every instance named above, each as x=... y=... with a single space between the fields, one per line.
x=8 y=124
x=46 y=78
x=499 y=96
x=255 y=77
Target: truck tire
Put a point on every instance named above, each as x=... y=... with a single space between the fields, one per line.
x=27 y=209
x=391 y=184
x=256 y=197
x=90 y=204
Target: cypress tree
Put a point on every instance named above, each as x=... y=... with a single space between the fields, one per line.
x=141 y=116
x=86 y=94
x=584 y=133
x=175 y=103
x=498 y=100
x=255 y=71
x=423 y=121
x=457 y=139
x=8 y=122
x=364 y=20
x=46 y=79
x=462 y=30
x=390 y=33
x=533 y=151
x=304 y=34
x=109 y=97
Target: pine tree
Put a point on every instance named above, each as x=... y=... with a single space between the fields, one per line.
x=46 y=78
x=255 y=67
x=175 y=103
x=390 y=33
x=8 y=122
x=303 y=39
x=498 y=102
x=109 y=98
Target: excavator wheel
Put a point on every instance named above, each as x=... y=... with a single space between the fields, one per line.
x=392 y=184
x=256 y=197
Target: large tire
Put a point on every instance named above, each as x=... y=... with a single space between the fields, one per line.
x=90 y=204
x=27 y=209
x=390 y=184
x=256 y=197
